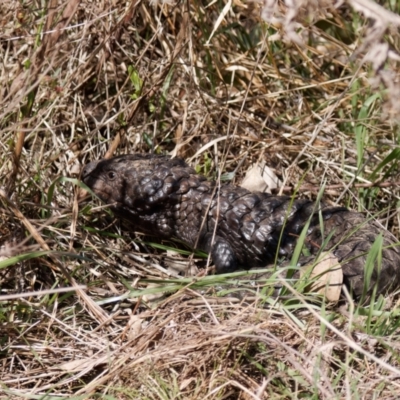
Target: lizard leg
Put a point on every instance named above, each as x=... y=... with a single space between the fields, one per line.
x=221 y=252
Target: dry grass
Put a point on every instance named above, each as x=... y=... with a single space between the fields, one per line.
x=218 y=85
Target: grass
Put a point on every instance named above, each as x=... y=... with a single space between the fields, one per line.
x=95 y=310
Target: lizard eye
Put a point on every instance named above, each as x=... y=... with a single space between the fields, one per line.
x=111 y=175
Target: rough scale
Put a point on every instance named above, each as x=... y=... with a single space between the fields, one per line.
x=165 y=197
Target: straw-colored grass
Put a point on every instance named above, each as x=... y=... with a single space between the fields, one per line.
x=310 y=88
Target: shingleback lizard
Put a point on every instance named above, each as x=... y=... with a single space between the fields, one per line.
x=166 y=198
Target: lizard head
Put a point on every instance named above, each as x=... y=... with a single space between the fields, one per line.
x=131 y=180
x=136 y=183
x=107 y=179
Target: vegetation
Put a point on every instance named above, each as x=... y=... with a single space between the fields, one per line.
x=91 y=309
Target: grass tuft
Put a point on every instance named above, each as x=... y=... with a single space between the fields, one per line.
x=311 y=88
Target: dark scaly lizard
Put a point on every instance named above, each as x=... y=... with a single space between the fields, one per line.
x=166 y=198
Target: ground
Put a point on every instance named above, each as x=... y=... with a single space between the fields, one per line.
x=88 y=306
